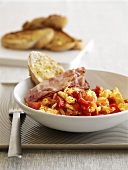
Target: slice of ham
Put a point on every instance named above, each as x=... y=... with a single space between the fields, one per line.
x=71 y=78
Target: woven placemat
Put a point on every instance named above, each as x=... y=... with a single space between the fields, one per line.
x=36 y=136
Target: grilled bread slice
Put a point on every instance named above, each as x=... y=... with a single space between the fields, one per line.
x=54 y=21
x=42 y=67
x=28 y=39
x=63 y=41
x=79 y=45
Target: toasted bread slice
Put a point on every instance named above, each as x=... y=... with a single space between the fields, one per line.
x=54 y=21
x=28 y=39
x=79 y=45
x=34 y=24
x=61 y=42
x=42 y=67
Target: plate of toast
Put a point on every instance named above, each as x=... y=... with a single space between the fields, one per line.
x=44 y=34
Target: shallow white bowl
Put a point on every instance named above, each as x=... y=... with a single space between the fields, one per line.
x=74 y=123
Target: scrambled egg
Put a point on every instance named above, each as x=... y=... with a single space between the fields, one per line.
x=67 y=98
x=100 y=104
x=48 y=110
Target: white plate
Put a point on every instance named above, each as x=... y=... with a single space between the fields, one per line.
x=69 y=59
x=78 y=123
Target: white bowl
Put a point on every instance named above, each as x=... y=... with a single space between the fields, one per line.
x=78 y=123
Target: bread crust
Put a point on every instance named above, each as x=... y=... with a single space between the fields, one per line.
x=54 y=21
x=27 y=39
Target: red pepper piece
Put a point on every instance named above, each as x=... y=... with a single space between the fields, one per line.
x=111 y=100
x=75 y=94
x=60 y=102
x=88 y=98
x=83 y=102
x=76 y=106
x=116 y=108
x=34 y=105
x=97 y=90
x=94 y=113
x=85 y=113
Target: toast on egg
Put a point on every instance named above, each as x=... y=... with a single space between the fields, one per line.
x=42 y=67
x=28 y=39
x=54 y=21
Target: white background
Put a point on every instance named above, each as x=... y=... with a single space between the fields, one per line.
x=104 y=21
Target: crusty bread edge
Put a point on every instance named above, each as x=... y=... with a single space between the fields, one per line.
x=49 y=21
x=34 y=79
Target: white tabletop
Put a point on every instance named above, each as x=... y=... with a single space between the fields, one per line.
x=106 y=23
